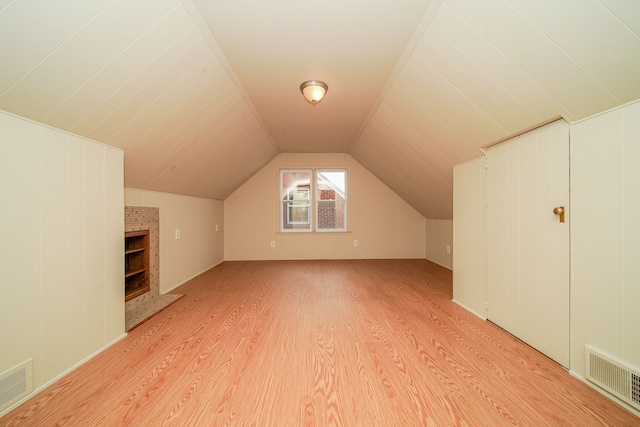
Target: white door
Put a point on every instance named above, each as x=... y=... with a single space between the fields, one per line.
x=527 y=244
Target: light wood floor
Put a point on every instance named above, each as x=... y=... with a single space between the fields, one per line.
x=353 y=343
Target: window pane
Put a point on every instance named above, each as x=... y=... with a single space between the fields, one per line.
x=295 y=184
x=295 y=194
x=332 y=215
x=331 y=197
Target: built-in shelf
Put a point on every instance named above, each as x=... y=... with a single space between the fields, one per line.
x=136 y=263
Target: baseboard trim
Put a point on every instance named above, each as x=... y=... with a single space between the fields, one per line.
x=59 y=376
x=605 y=393
x=469 y=310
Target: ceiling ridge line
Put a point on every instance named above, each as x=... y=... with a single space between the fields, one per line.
x=408 y=50
x=218 y=52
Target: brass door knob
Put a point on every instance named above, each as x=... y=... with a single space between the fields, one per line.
x=559 y=211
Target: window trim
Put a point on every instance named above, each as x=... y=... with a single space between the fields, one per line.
x=289 y=202
x=313 y=202
x=318 y=202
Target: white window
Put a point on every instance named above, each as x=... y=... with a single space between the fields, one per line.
x=302 y=190
x=295 y=200
x=331 y=200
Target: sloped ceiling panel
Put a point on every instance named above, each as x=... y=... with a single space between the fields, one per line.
x=140 y=76
x=157 y=79
x=484 y=70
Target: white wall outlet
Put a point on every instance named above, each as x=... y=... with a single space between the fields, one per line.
x=273 y=243
x=177 y=234
x=448 y=249
x=217 y=227
x=355 y=243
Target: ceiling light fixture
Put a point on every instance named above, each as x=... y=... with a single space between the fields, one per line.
x=313 y=91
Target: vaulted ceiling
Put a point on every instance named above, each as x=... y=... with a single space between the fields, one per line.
x=200 y=94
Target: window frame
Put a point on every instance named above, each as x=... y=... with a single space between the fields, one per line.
x=291 y=202
x=317 y=201
x=313 y=203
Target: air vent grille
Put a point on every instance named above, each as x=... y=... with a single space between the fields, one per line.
x=15 y=383
x=613 y=375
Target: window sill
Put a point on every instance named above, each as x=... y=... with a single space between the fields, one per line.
x=288 y=233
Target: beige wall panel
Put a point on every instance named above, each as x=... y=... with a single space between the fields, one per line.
x=439 y=236
x=114 y=244
x=604 y=249
x=20 y=301
x=61 y=294
x=54 y=247
x=632 y=232
x=384 y=225
x=469 y=242
x=199 y=247
x=94 y=234
x=77 y=283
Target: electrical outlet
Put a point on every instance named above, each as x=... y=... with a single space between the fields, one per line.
x=448 y=249
x=273 y=243
x=216 y=227
x=177 y=234
x=355 y=243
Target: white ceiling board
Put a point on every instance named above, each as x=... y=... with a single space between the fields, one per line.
x=200 y=94
x=32 y=29
x=428 y=195
x=581 y=37
x=167 y=106
x=536 y=55
x=105 y=107
x=119 y=72
x=628 y=12
x=429 y=85
x=59 y=75
x=487 y=82
x=494 y=63
x=420 y=127
x=274 y=46
x=150 y=91
x=467 y=85
x=213 y=126
x=166 y=137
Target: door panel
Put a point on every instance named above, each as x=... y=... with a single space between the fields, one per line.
x=527 y=245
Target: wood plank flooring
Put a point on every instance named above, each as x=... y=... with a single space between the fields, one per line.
x=319 y=343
